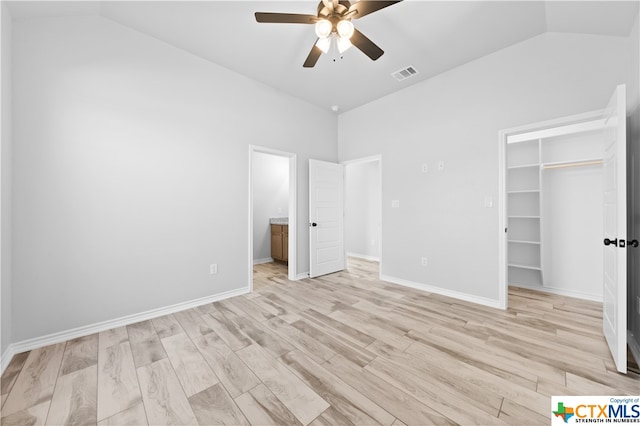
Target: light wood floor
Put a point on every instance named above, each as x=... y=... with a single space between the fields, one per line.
x=338 y=350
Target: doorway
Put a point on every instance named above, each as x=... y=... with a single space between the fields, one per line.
x=272 y=207
x=363 y=211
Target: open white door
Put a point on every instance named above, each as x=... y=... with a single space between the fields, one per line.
x=326 y=218
x=615 y=229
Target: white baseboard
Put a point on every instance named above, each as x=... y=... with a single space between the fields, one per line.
x=61 y=336
x=634 y=346
x=260 y=261
x=364 y=256
x=443 y=291
x=7 y=356
x=560 y=292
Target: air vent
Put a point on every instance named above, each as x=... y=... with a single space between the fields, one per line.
x=404 y=73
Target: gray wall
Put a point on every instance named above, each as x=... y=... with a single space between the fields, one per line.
x=270 y=198
x=633 y=109
x=455 y=117
x=131 y=172
x=5 y=167
x=362 y=209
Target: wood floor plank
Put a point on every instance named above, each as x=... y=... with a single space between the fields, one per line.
x=79 y=354
x=344 y=347
x=166 y=326
x=134 y=416
x=163 y=397
x=398 y=403
x=192 y=370
x=343 y=398
x=242 y=306
x=227 y=330
x=32 y=416
x=145 y=343
x=118 y=387
x=472 y=358
x=271 y=342
x=236 y=377
x=36 y=380
x=11 y=372
x=261 y=407
x=299 y=398
x=516 y=414
x=74 y=399
x=192 y=323
x=298 y=339
x=475 y=380
x=331 y=417
x=214 y=406
x=459 y=406
x=111 y=337
x=337 y=329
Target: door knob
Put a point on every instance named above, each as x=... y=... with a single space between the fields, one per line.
x=632 y=243
x=314 y=224
x=608 y=241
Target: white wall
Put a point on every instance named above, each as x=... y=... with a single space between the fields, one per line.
x=572 y=230
x=131 y=172
x=455 y=117
x=5 y=187
x=633 y=109
x=270 y=199
x=362 y=209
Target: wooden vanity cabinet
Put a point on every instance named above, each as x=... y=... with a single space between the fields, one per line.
x=280 y=242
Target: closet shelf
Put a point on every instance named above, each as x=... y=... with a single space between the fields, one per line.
x=523 y=217
x=524 y=242
x=534 y=268
x=523 y=191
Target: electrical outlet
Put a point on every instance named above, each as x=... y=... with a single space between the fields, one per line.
x=425 y=168
x=213 y=269
x=441 y=166
x=423 y=261
x=395 y=204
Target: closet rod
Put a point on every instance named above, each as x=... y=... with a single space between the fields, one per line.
x=577 y=164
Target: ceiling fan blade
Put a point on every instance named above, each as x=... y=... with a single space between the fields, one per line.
x=285 y=18
x=313 y=57
x=364 y=7
x=367 y=47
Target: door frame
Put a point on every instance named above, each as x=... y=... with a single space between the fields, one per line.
x=292 y=210
x=503 y=292
x=370 y=159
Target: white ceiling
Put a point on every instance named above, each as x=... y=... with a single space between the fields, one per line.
x=432 y=36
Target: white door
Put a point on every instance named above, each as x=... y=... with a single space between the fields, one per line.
x=614 y=307
x=326 y=218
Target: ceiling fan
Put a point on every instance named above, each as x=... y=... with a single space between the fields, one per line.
x=333 y=26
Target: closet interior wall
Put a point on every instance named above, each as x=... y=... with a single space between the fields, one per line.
x=554 y=207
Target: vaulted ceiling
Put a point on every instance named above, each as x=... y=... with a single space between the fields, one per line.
x=431 y=36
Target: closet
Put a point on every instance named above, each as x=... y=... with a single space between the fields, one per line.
x=554 y=209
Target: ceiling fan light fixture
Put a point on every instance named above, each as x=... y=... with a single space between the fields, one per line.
x=323 y=28
x=345 y=29
x=324 y=44
x=343 y=44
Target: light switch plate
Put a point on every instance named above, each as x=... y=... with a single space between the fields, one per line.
x=488 y=201
x=395 y=204
x=425 y=168
x=441 y=165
